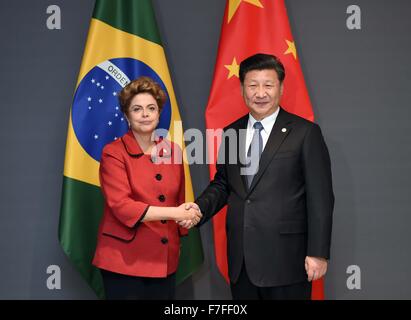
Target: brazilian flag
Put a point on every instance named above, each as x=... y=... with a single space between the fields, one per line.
x=123 y=44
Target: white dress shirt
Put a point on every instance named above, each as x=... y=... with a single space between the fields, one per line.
x=268 y=124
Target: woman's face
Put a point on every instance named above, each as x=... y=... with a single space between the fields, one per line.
x=143 y=113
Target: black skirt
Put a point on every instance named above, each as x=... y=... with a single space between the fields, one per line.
x=123 y=287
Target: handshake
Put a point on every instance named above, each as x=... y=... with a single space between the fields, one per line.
x=188 y=215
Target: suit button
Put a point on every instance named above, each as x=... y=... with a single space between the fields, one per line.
x=164 y=240
x=162 y=198
x=159 y=176
x=248 y=201
x=163 y=221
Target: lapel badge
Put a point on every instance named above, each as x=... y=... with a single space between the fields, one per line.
x=284 y=130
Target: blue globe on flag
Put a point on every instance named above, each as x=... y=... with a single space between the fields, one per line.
x=96 y=114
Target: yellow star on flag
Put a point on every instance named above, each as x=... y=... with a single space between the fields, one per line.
x=234 y=68
x=234 y=4
x=291 y=48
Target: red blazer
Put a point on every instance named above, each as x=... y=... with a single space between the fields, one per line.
x=131 y=182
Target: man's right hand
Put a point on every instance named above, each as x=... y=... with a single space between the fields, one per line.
x=189 y=215
x=189 y=223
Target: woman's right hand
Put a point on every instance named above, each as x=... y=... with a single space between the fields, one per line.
x=190 y=216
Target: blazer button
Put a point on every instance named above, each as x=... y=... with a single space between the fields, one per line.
x=248 y=201
x=162 y=198
x=164 y=240
x=163 y=221
x=159 y=176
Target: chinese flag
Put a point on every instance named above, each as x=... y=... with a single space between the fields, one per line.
x=249 y=27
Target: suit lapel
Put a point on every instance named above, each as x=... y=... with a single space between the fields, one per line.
x=281 y=129
x=241 y=179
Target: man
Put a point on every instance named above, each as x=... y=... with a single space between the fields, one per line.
x=279 y=216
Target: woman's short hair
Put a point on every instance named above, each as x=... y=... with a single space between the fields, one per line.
x=141 y=85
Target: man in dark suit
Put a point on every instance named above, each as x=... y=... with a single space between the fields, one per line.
x=280 y=202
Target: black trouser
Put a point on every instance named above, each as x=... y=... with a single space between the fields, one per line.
x=244 y=289
x=122 y=287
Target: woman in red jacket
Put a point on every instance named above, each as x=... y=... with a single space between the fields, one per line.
x=142 y=180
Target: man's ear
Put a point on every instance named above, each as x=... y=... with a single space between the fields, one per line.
x=281 y=88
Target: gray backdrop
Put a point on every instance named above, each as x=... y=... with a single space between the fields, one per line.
x=359 y=85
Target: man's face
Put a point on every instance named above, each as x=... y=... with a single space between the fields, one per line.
x=262 y=92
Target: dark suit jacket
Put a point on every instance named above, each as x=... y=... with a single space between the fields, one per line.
x=286 y=214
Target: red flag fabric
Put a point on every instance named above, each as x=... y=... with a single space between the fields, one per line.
x=249 y=27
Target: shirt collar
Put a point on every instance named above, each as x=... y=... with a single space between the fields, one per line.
x=266 y=122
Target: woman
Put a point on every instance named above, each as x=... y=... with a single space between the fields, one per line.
x=138 y=243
